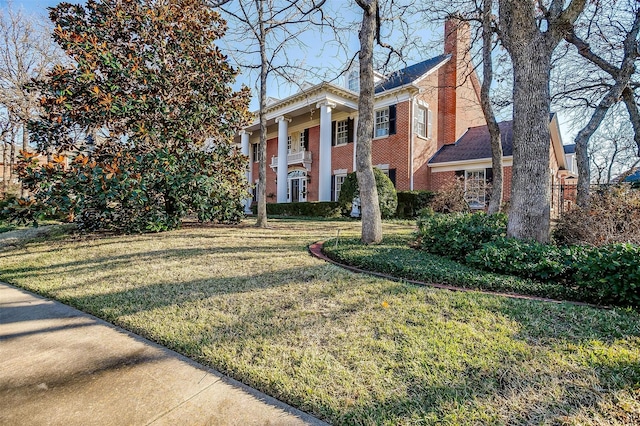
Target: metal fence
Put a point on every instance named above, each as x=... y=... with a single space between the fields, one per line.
x=563 y=197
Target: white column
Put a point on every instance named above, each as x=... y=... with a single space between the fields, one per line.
x=283 y=133
x=355 y=141
x=324 y=172
x=244 y=147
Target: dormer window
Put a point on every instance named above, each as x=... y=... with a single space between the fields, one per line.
x=353 y=81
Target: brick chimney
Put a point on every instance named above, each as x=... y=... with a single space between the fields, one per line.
x=456 y=44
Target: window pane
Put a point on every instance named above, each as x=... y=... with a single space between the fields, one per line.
x=475 y=188
x=421 y=121
x=382 y=122
x=342 y=133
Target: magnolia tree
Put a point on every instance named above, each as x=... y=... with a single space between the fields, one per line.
x=142 y=123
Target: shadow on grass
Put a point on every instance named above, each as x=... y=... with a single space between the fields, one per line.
x=106 y=263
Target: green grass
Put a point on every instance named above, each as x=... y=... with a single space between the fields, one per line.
x=394 y=256
x=348 y=348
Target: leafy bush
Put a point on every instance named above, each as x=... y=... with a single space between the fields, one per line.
x=457 y=234
x=611 y=274
x=450 y=198
x=528 y=259
x=613 y=216
x=311 y=209
x=387 y=197
x=410 y=203
x=131 y=192
x=394 y=256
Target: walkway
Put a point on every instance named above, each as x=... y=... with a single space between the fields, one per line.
x=60 y=366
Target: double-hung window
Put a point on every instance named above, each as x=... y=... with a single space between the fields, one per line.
x=475 y=188
x=338 y=185
x=255 y=154
x=353 y=81
x=422 y=121
x=382 y=123
x=342 y=132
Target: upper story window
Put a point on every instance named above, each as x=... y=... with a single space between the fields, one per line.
x=342 y=132
x=353 y=81
x=382 y=123
x=255 y=152
x=385 y=122
x=296 y=142
x=422 y=121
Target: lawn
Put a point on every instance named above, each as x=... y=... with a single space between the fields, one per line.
x=348 y=348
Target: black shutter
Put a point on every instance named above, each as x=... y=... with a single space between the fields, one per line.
x=333 y=133
x=350 y=124
x=488 y=174
x=333 y=188
x=460 y=174
x=392 y=176
x=392 y=120
x=306 y=139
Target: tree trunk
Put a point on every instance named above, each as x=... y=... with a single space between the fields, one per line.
x=530 y=49
x=370 y=208
x=261 y=221
x=25 y=146
x=495 y=202
x=4 y=169
x=529 y=214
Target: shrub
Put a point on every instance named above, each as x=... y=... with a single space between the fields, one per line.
x=312 y=209
x=613 y=216
x=387 y=197
x=611 y=274
x=457 y=234
x=528 y=259
x=451 y=199
x=410 y=203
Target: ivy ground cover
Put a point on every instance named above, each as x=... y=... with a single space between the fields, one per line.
x=348 y=348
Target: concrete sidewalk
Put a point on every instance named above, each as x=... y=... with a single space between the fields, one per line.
x=60 y=366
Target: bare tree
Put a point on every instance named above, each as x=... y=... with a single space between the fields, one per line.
x=263 y=31
x=488 y=31
x=530 y=31
x=27 y=51
x=370 y=208
x=619 y=62
x=612 y=149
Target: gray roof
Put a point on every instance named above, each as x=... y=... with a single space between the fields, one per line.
x=475 y=144
x=409 y=74
x=569 y=149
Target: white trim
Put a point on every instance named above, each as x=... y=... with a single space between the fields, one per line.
x=452 y=166
x=392 y=100
x=340 y=172
x=412 y=106
x=382 y=166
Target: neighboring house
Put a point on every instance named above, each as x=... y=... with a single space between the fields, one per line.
x=423 y=114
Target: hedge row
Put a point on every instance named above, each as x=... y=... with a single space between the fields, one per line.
x=311 y=209
x=608 y=274
x=409 y=205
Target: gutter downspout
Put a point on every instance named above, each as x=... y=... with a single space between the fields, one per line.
x=411 y=113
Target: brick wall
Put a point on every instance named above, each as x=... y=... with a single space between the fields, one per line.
x=394 y=149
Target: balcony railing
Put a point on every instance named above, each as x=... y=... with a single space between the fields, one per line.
x=301 y=157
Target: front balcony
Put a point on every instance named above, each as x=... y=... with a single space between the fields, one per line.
x=300 y=157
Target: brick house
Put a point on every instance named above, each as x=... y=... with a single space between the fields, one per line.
x=420 y=112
